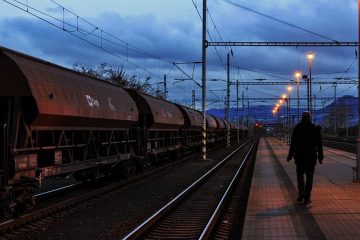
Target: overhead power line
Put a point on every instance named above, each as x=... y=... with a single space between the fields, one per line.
x=350 y=66
x=96 y=32
x=265 y=73
x=218 y=32
x=127 y=45
x=278 y=20
x=207 y=30
x=76 y=29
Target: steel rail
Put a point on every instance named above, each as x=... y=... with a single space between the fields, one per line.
x=143 y=227
x=41 y=213
x=217 y=212
x=344 y=146
x=340 y=154
x=31 y=217
x=56 y=190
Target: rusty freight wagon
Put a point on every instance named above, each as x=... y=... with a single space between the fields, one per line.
x=57 y=121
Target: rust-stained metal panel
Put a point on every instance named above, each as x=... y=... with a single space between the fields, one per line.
x=12 y=82
x=27 y=161
x=220 y=123
x=211 y=122
x=64 y=97
x=164 y=113
x=194 y=116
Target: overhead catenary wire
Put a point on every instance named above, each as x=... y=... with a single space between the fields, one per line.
x=190 y=77
x=286 y=23
x=291 y=25
x=127 y=45
x=278 y=20
x=73 y=34
x=208 y=33
x=73 y=29
x=346 y=89
x=265 y=73
x=350 y=66
x=221 y=38
x=342 y=76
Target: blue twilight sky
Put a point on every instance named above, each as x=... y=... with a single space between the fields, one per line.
x=147 y=36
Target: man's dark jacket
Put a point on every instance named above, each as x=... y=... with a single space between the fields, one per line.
x=306 y=144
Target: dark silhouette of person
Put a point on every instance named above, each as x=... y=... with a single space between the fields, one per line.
x=306 y=147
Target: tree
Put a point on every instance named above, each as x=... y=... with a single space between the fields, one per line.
x=118 y=77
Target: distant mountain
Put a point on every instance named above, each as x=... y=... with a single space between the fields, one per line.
x=344 y=111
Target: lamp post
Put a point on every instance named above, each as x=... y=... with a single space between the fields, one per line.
x=298 y=76
x=289 y=115
x=275 y=110
x=281 y=129
x=306 y=79
x=278 y=111
x=310 y=57
x=286 y=118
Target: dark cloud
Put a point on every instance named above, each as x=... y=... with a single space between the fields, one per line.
x=47 y=41
x=335 y=20
x=179 y=40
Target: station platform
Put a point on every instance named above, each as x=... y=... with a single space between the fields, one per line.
x=272 y=211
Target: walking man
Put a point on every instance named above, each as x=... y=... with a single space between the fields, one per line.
x=306 y=147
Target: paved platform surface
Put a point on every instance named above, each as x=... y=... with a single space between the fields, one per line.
x=272 y=211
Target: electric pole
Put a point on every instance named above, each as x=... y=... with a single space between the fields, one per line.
x=237 y=111
x=165 y=87
x=335 y=108
x=204 y=45
x=243 y=111
x=228 y=103
x=193 y=99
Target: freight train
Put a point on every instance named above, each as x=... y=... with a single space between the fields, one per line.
x=58 y=122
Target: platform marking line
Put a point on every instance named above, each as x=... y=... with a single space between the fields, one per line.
x=343 y=155
x=303 y=220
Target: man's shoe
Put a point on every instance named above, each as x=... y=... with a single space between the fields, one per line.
x=307 y=201
x=300 y=198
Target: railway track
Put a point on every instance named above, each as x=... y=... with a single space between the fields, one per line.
x=45 y=214
x=194 y=212
x=345 y=145
x=18 y=227
x=13 y=228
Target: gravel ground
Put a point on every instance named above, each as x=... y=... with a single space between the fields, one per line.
x=116 y=214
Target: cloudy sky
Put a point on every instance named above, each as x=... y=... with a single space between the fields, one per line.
x=147 y=36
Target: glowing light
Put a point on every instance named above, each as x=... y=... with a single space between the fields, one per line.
x=310 y=56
